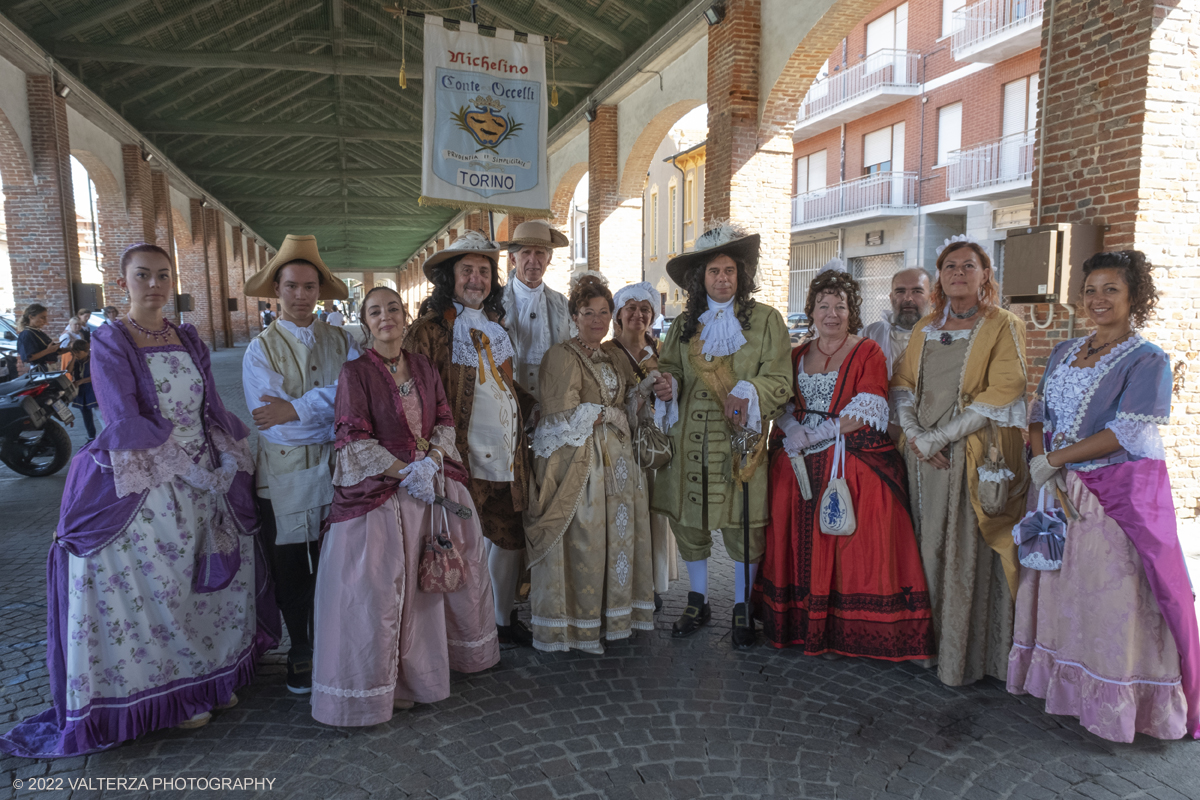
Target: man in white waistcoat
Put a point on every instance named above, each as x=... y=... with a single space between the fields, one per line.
x=536 y=316
x=910 y=300
x=460 y=330
x=289 y=375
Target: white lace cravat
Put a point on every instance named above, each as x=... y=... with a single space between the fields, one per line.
x=536 y=330
x=722 y=334
x=463 y=350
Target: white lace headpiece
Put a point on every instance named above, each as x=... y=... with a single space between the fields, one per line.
x=637 y=291
x=587 y=273
x=835 y=264
x=961 y=237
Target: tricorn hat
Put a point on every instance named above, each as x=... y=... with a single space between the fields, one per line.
x=471 y=242
x=536 y=233
x=296 y=248
x=722 y=238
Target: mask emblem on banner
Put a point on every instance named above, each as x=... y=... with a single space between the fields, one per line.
x=485 y=124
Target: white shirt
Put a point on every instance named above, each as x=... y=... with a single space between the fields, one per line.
x=314 y=407
x=892 y=339
x=335 y=319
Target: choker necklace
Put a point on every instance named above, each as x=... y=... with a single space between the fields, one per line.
x=1093 y=350
x=970 y=312
x=164 y=334
x=829 y=356
x=392 y=363
x=589 y=348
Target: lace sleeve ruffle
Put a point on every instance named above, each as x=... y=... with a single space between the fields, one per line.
x=901 y=397
x=359 y=460
x=1037 y=411
x=135 y=471
x=565 y=429
x=667 y=414
x=747 y=391
x=1009 y=416
x=870 y=409
x=1139 y=438
x=443 y=437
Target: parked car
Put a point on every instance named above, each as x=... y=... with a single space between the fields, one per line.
x=797 y=326
x=95 y=320
x=8 y=348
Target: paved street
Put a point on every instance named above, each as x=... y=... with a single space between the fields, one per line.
x=653 y=718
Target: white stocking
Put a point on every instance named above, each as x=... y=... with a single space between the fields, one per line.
x=698 y=576
x=740 y=592
x=505 y=568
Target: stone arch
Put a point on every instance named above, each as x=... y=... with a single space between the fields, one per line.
x=779 y=105
x=111 y=221
x=17 y=177
x=633 y=173
x=560 y=201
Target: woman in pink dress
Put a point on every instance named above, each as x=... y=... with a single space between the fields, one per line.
x=381 y=643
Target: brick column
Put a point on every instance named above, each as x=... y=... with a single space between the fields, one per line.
x=43 y=240
x=164 y=229
x=253 y=314
x=214 y=247
x=1120 y=108
x=139 y=196
x=747 y=170
x=237 y=280
x=194 y=278
x=368 y=281
x=614 y=223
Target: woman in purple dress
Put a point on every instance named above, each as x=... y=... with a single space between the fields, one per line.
x=1110 y=637
x=159 y=599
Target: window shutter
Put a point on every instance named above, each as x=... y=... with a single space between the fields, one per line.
x=1031 y=116
x=1016 y=107
x=881 y=33
x=949 y=131
x=816 y=171
x=877 y=147
x=802 y=175
x=898 y=147
x=949 y=22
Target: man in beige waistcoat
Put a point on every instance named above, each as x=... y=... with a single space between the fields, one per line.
x=289 y=375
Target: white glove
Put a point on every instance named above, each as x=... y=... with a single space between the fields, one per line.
x=418 y=479
x=796 y=437
x=932 y=441
x=906 y=415
x=1042 y=474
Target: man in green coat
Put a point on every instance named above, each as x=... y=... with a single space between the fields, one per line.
x=725 y=365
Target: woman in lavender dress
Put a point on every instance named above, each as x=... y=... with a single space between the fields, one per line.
x=159 y=600
x=1110 y=637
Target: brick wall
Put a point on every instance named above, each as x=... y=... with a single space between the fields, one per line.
x=164 y=228
x=214 y=246
x=194 y=277
x=139 y=196
x=240 y=319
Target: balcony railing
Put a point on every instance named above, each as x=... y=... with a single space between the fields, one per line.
x=880 y=195
x=879 y=71
x=992 y=167
x=978 y=24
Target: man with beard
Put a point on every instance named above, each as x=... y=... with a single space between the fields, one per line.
x=910 y=302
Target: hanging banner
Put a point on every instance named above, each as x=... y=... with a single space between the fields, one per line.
x=484 y=132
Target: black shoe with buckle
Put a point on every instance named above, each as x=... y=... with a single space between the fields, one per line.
x=694 y=617
x=299 y=673
x=743 y=633
x=514 y=634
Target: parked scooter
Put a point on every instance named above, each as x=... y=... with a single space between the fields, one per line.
x=31 y=441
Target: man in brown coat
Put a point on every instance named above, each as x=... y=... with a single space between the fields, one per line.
x=459 y=330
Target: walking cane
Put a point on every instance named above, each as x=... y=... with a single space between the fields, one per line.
x=743 y=442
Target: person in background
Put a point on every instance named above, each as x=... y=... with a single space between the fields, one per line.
x=535 y=315
x=460 y=330
x=85 y=330
x=383 y=642
x=81 y=374
x=111 y=313
x=34 y=345
x=910 y=301
x=1110 y=636
x=960 y=382
x=159 y=594
x=72 y=333
x=334 y=316
x=289 y=376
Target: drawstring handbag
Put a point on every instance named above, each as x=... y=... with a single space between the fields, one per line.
x=1041 y=536
x=442 y=568
x=837 y=507
x=994 y=475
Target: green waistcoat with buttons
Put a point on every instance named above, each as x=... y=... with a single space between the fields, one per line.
x=764 y=361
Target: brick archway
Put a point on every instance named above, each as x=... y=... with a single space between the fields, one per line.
x=560 y=201
x=633 y=171
x=112 y=225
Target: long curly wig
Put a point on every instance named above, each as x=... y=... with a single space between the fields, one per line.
x=989 y=292
x=840 y=284
x=1135 y=270
x=441 y=297
x=697 y=299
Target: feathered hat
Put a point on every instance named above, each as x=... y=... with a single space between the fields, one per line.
x=471 y=242
x=723 y=238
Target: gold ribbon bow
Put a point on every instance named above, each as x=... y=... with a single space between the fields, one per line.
x=482 y=345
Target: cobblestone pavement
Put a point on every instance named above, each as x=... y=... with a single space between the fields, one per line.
x=652 y=718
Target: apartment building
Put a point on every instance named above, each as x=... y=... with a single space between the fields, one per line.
x=921 y=125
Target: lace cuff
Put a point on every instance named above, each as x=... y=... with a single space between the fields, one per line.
x=1140 y=439
x=996 y=475
x=1009 y=416
x=901 y=397
x=565 y=429
x=870 y=409
x=135 y=471
x=746 y=391
x=359 y=460
x=443 y=437
x=1037 y=411
x=667 y=414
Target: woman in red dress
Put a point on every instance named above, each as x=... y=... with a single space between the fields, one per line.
x=862 y=594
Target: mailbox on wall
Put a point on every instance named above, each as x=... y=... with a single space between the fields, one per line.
x=183 y=302
x=1043 y=264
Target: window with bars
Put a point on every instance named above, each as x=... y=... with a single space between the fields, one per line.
x=874 y=275
x=806 y=259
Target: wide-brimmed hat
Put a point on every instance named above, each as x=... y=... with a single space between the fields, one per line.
x=471 y=242
x=722 y=238
x=536 y=233
x=296 y=248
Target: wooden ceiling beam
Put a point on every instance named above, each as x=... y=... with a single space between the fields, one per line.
x=95 y=14
x=584 y=22
x=202 y=128
x=317 y=199
x=396 y=218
